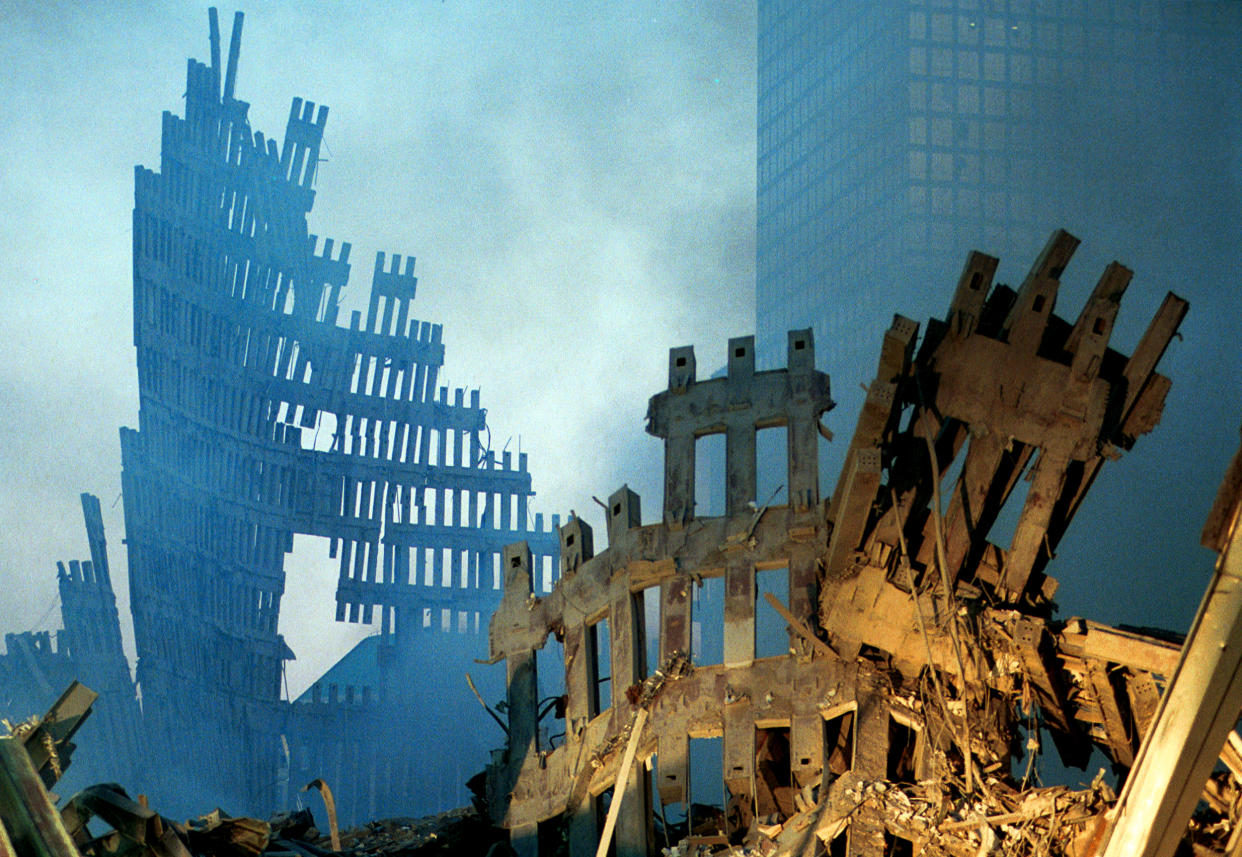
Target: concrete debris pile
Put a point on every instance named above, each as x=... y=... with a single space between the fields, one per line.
x=458 y=831
x=1049 y=821
x=919 y=669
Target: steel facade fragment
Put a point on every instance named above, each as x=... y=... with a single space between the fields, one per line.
x=261 y=417
x=918 y=650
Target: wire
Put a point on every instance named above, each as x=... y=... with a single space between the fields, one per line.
x=37 y=625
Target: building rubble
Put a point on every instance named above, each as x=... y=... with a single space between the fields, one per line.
x=924 y=670
x=920 y=670
x=104 y=821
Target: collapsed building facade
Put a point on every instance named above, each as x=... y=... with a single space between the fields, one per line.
x=261 y=416
x=922 y=663
x=37 y=666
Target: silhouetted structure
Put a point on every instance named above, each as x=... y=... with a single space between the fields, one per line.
x=37 y=667
x=260 y=418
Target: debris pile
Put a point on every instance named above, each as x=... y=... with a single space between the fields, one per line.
x=1048 y=821
x=104 y=821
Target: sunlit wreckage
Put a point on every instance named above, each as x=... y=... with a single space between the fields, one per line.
x=921 y=663
x=915 y=674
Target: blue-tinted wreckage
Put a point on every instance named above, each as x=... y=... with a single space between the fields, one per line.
x=36 y=666
x=264 y=415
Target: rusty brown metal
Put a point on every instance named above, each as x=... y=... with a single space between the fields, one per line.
x=329 y=804
x=940 y=641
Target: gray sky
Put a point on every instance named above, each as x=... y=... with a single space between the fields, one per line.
x=576 y=180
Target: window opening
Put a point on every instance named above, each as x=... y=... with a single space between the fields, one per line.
x=707 y=622
x=601 y=666
x=771 y=638
x=705 y=815
x=829 y=456
x=897 y=846
x=601 y=805
x=647 y=613
x=709 y=476
x=838 y=746
x=1005 y=527
x=952 y=474
x=669 y=822
x=902 y=751
x=772 y=466
x=553 y=836
x=550 y=672
x=774 y=801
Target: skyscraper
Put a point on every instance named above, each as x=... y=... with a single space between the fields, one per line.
x=261 y=418
x=893 y=137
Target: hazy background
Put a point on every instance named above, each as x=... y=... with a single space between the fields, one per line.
x=576 y=180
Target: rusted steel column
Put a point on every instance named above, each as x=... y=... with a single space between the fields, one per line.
x=740 y=484
x=1199 y=708
x=674 y=617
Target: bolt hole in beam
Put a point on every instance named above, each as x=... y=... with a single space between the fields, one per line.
x=707 y=622
x=709 y=476
x=771 y=638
